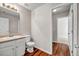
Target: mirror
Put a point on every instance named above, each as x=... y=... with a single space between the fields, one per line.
x=4 y=26
x=9 y=22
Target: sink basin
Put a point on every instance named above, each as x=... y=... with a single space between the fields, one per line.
x=13 y=37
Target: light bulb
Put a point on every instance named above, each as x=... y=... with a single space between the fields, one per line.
x=54 y=10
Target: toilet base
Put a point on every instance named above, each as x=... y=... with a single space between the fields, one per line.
x=30 y=50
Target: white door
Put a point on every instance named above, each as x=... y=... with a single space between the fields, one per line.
x=7 y=51
x=70 y=31
x=73 y=42
x=77 y=44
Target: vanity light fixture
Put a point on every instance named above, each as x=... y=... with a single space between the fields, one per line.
x=54 y=10
x=9 y=6
x=3 y=4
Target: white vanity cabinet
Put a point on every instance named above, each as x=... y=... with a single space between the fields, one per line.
x=20 y=47
x=15 y=47
x=7 y=48
x=7 y=51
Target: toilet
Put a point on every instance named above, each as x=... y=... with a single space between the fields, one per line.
x=29 y=44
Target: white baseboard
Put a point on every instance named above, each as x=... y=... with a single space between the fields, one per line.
x=61 y=42
x=43 y=50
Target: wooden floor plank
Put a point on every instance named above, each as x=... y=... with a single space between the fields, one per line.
x=31 y=54
x=38 y=53
x=44 y=54
x=59 y=49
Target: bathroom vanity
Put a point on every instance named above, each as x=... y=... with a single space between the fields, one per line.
x=13 y=46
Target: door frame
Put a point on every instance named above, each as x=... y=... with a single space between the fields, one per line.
x=75 y=30
x=74 y=26
x=71 y=41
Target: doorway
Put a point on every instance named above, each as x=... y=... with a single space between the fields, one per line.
x=62 y=28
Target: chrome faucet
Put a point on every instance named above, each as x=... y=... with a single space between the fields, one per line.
x=11 y=35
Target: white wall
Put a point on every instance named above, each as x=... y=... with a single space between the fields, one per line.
x=42 y=27
x=62 y=28
x=54 y=28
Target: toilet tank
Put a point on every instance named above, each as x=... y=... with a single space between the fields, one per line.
x=28 y=38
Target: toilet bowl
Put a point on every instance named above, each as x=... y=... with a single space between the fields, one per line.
x=29 y=44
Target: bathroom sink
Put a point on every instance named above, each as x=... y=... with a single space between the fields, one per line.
x=12 y=37
x=17 y=36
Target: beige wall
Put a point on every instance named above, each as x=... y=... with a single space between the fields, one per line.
x=25 y=20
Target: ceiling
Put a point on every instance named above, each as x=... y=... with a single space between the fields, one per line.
x=60 y=9
x=31 y=6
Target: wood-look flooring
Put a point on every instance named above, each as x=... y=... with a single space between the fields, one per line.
x=59 y=49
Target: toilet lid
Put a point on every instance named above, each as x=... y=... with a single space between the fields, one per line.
x=30 y=43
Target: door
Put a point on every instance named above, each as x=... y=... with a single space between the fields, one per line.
x=77 y=44
x=74 y=27
x=7 y=51
x=70 y=31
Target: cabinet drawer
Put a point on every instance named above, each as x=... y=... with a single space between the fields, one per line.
x=6 y=44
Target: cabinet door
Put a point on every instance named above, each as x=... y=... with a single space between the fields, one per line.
x=20 y=49
x=7 y=51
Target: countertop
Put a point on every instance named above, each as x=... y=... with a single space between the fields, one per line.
x=4 y=39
